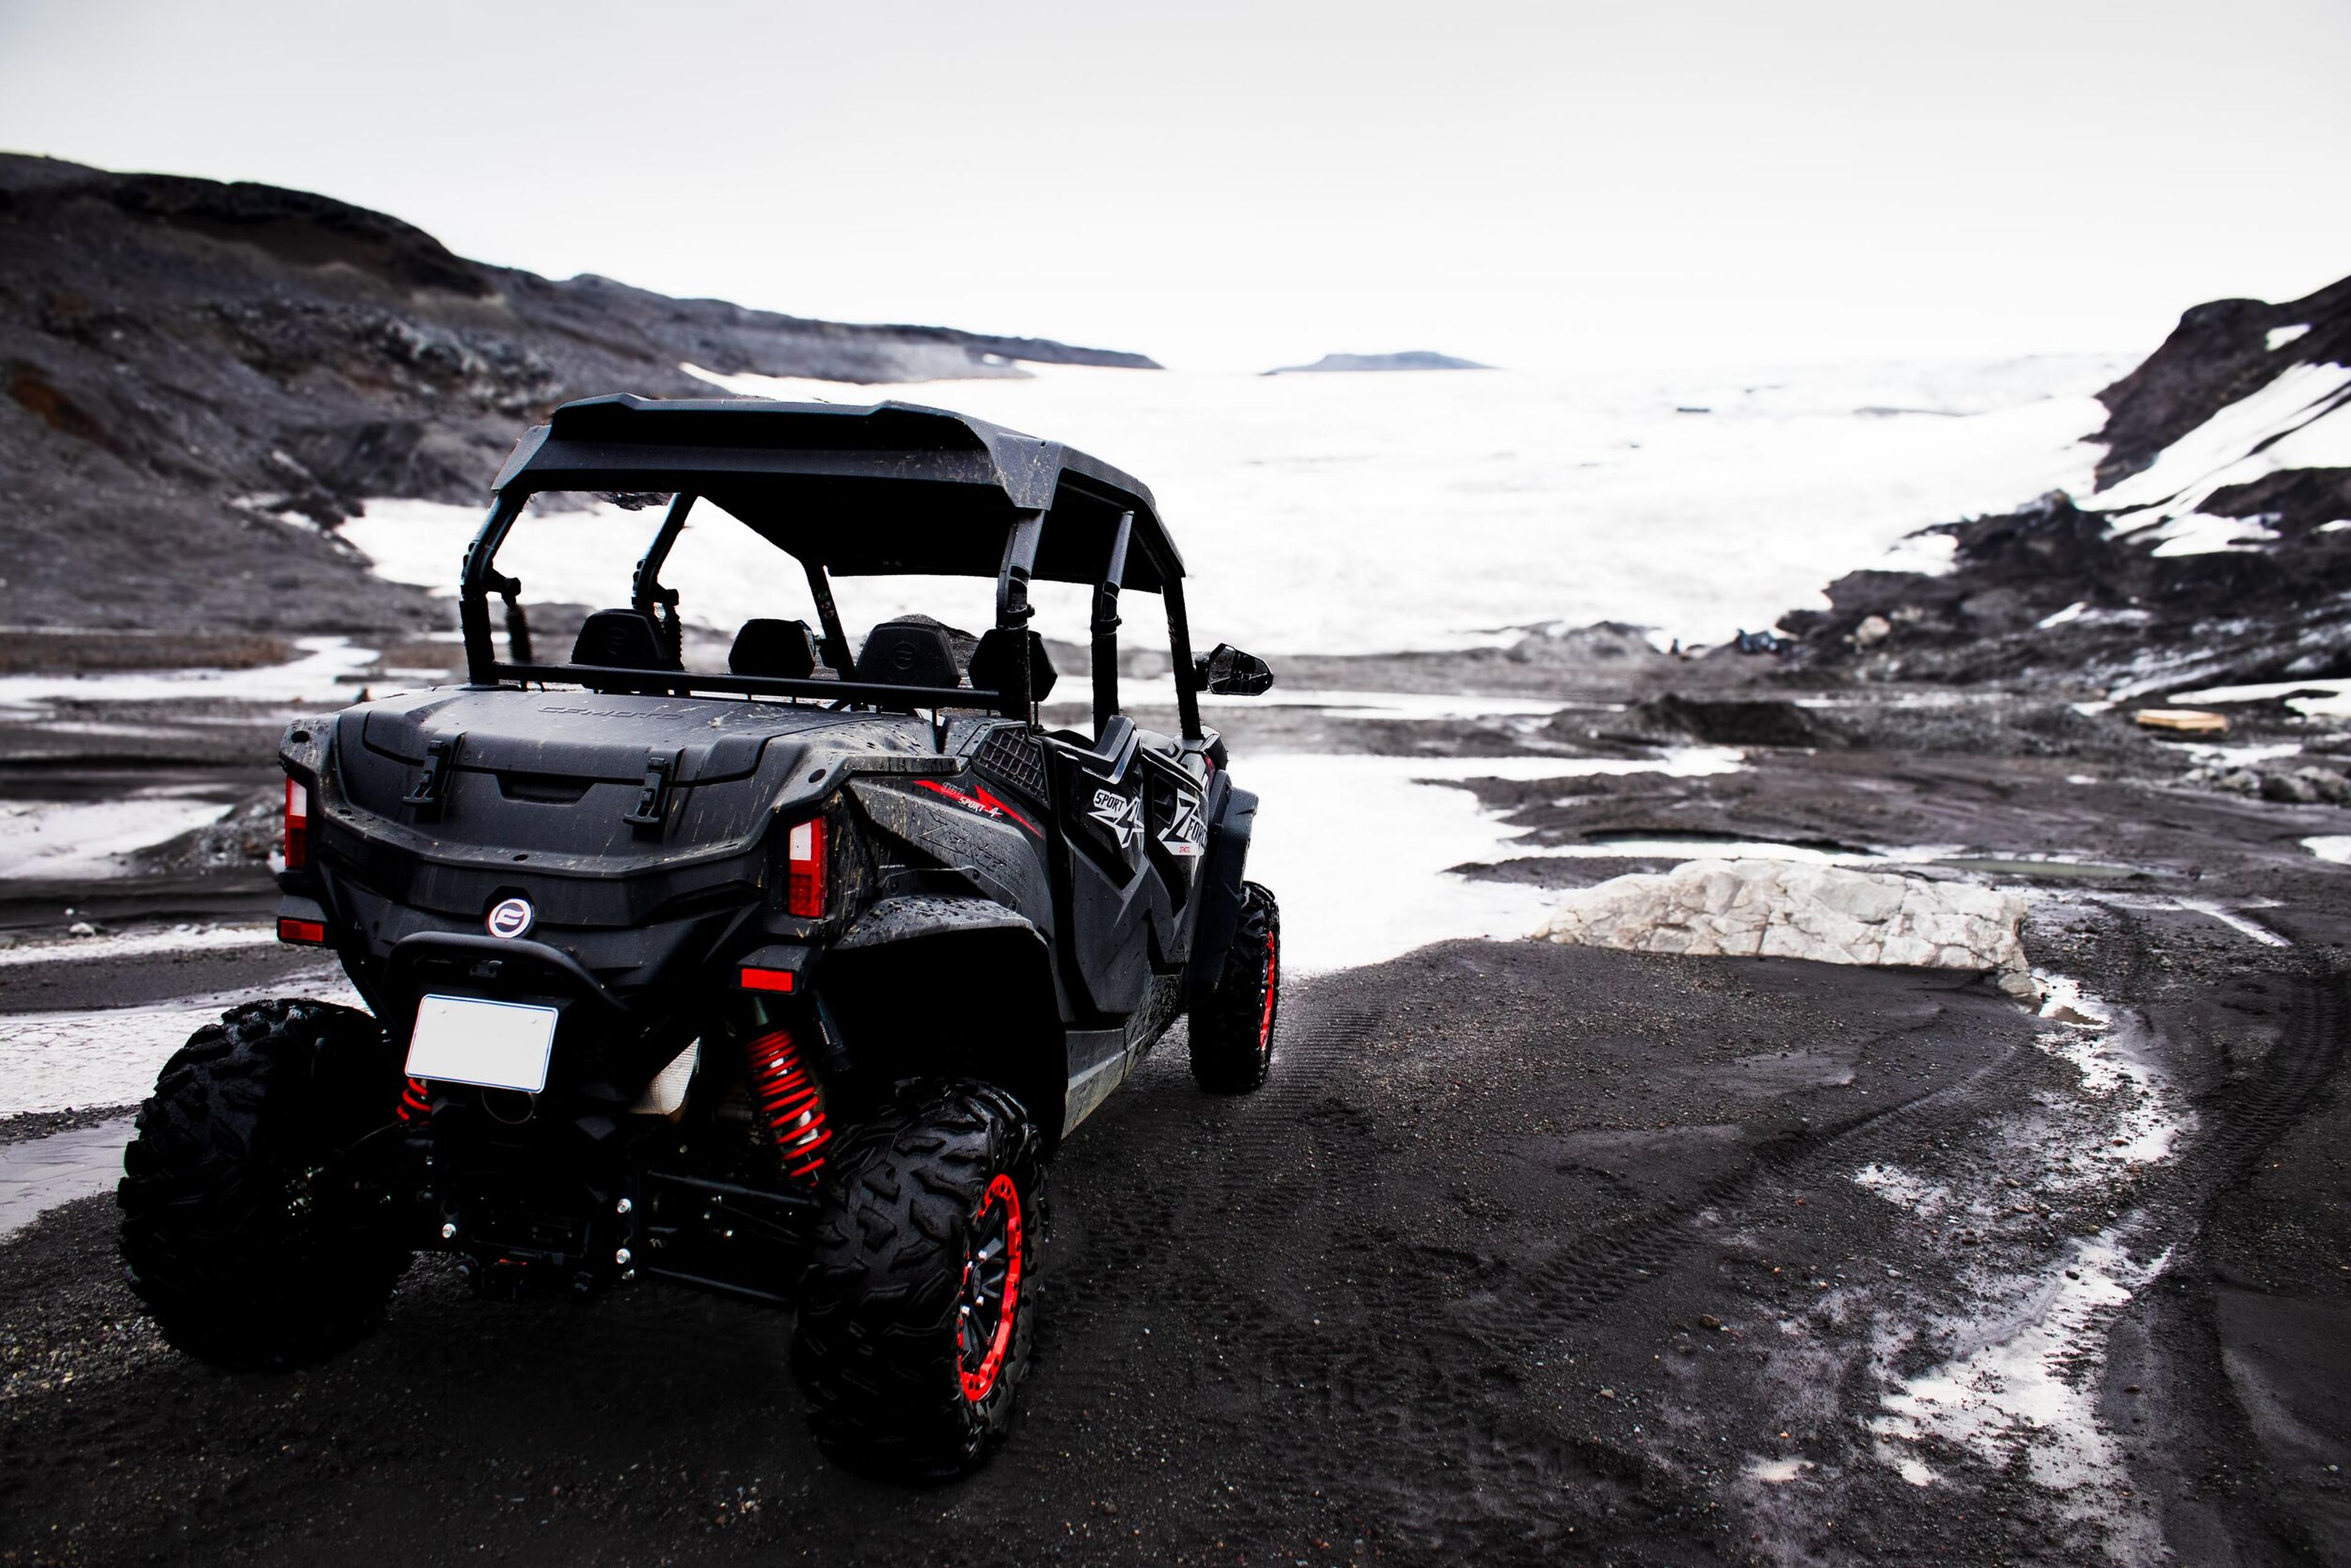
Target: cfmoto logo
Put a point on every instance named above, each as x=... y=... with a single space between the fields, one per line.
x=512 y=917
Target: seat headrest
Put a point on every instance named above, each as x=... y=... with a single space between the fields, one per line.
x=992 y=666
x=623 y=640
x=783 y=649
x=909 y=654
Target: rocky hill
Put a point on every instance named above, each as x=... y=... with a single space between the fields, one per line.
x=189 y=364
x=2215 y=550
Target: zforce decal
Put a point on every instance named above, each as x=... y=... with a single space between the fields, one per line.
x=979 y=802
x=1117 y=814
x=1187 y=829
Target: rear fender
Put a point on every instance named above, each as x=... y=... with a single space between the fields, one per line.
x=928 y=985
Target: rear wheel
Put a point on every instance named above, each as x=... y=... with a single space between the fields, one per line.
x=1232 y=1029
x=914 y=1322
x=256 y=1233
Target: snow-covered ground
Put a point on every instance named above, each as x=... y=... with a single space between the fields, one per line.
x=1370 y=513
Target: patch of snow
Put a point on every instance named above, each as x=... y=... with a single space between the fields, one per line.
x=2279 y=336
x=68 y=839
x=2337 y=527
x=1904 y=1189
x=320 y=675
x=2071 y=612
x=1776 y=1472
x=2198 y=534
x=1359 y=848
x=1928 y=555
x=2330 y=698
x=2334 y=848
x=1829 y=913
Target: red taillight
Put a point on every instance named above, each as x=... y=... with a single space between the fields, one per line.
x=766 y=979
x=308 y=933
x=297 y=829
x=804 y=855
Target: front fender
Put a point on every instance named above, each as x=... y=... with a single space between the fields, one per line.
x=1231 y=821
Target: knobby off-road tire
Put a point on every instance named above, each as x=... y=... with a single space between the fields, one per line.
x=254 y=1238
x=916 y=1312
x=1232 y=1030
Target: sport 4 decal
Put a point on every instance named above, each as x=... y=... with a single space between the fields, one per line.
x=1117 y=814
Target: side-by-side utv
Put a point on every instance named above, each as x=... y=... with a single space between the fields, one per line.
x=785 y=981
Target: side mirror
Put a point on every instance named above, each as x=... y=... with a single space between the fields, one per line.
x=1230 y=673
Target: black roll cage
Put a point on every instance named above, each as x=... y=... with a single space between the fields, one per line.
x=947 y=482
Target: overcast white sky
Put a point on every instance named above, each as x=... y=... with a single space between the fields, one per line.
x=1725 y=181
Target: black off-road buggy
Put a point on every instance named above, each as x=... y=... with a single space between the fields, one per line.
x=785 y=982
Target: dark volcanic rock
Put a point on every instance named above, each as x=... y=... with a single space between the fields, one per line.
x=2008 y=610
x=187 y=363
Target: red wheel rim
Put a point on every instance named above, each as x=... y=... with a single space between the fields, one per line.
x=1264 y=1017
x=991 y=1298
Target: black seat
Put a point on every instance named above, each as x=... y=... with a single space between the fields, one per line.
x=908 y=654
x=992 y=665
x=623 y=640
x=785 y=650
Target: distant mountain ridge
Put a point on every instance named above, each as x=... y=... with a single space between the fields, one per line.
x=1410 y=360
x=178 y=356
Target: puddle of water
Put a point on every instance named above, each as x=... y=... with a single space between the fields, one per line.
x=1640 y=846
x=2041 y=868
x=54 y=1062
x=139 y=943
x=318 y=676
x=89 y=838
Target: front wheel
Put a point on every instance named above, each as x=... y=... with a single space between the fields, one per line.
x=915 y=1316
x=1232 y=1027
x=251 y=1227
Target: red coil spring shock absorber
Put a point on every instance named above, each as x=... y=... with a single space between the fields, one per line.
x=415 y=1103
x=791 y=1105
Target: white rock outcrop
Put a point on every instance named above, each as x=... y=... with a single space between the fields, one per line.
x=1710 y=908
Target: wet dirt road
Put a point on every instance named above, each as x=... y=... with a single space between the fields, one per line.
x=1527 y=1253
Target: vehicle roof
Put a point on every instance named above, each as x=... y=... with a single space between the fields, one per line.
x=885 y=488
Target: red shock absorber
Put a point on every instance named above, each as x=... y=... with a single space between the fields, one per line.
x=415 y=1103
x=791 y=1103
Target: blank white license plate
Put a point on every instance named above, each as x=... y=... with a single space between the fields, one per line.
x=464 y=1040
